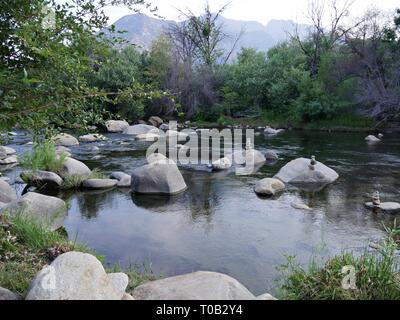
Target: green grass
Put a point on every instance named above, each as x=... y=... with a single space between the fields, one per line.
x=74 y=182
x=377 y=276
x=26 y=247
x=43 y=157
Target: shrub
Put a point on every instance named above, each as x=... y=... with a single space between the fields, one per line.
x=43 y=157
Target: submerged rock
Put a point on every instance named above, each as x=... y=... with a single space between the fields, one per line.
x=116 y=126
x=7 y=194
x=72 y=167
x=160 y=177
x=140 y=129
x=75 y=276
x=42 y=179
x=222 y=164
x=194 y=286
x=301 y=171
x=50 y=211
x=65 y=140
x=124 y=180
x=271 y=156
x=98 y=184
x=300 y=206
x=269 y=187
x=271 y=131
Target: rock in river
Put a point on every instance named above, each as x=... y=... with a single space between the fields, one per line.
x=7 y=150
x=65 y=140
x=50 y=211
x=372 y=138
x=140 y=129
x=42 y=179
x=92 y=138
x=269 y=187
x=75 y=276
x=195 y=286
x=98 y=184
x=72 y=167
x=124 y=180
x=222 y=164
x=7 y=194
x=116 y=126
x=160 y=177
x=300 y=171
x=9 y=160
x=388 y=207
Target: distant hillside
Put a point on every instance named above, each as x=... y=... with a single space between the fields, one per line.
x=142 y=30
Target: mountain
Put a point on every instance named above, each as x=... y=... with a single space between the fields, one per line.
x=142 y=30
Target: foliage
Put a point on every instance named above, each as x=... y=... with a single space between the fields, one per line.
x=43 y=157
x=377 y=276
x=74 y=182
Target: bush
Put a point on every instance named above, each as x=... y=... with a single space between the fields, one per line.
x=43 y=157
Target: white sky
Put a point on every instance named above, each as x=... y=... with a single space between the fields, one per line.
x=258 y=10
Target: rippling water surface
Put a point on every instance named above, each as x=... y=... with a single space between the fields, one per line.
x=219 y=223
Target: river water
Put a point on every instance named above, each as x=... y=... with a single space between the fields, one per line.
x=220 y=224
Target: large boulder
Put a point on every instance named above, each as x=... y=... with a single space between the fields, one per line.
x=7 y=295
x=74 y=276
x=124 y=180
x=99 y=184
x=269 y=187
x=92 y=138
x=254 y=156
x=7 y=194
x=49 y=211
x=299 y=172
x=140 y=129
x=72 y=167
x=42 y=179
x=156 y=121
x=160 y=177
x=194 y=286
x=116 y=126
x=7 y=150
x=65 y=140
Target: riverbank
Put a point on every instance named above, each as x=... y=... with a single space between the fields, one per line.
x=345 y=123
x=26 y=247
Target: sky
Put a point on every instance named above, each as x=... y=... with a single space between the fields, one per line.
x=257 y=10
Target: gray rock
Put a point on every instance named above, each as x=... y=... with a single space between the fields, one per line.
x=140 y=129
x=7 y=194
x=222 y=164
x=73 y=276
x=9 y=160
x=49 y=211
x=120 y=282
x=156 y=121
x=3 y=155
x=164 y=127
x=266 y=297
x=7 y=150
x=372 y=138
x=158 y=157
x=254 y=156
x=298 y=172
x=269 y=187
x=92 y=138
x=389 y=207
x=42 y=179
x=158 y=178
x=149 y=137
x=72 y=167
x=65 y=140
x=116 y=126
x=271 y=156
x=7 y=295
x=124 y=180
x=271 y=131
x=98 y=184
x=194 y=286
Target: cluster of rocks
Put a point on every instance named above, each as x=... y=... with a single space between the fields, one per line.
x=7 y=156
x=377 y=205
x=81 y=276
